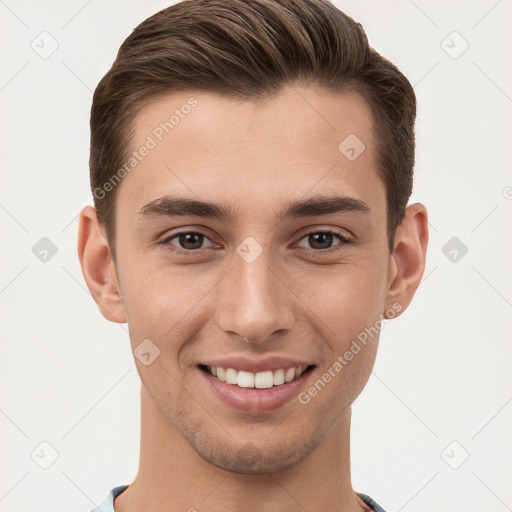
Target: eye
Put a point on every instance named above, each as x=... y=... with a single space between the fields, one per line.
x=187 y=241
x=323 y=240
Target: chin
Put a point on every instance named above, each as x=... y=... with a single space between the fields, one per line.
x=245 y=457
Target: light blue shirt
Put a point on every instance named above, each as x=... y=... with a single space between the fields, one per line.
x=107 y=505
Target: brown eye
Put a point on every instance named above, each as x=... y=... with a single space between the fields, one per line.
x=320 y=240
x=324 y=240
x=186 y=241
x=190 y=241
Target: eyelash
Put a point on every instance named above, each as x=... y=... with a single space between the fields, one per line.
x=344 y=241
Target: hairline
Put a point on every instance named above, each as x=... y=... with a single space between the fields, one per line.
x=260 y=98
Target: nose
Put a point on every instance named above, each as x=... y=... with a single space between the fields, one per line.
x=255 y=300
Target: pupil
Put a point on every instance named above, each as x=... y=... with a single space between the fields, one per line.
x=187 y=240
x=324 y=240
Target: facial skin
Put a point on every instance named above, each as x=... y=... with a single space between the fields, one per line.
x=254 y=159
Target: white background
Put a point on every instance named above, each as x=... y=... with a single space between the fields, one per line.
x=443 y=371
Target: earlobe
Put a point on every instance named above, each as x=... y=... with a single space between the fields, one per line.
x=97 y=266
x=407 y=261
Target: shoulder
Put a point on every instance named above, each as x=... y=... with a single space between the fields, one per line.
x=107 y=503
x=370 y=504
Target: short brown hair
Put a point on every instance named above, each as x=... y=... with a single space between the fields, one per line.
x=250 y=50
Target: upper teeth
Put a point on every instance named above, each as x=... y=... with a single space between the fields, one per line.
x=260 y=380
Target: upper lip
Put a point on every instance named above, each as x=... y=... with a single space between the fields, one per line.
x=261 y=364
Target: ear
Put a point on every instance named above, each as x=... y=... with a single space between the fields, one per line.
x=98 y=267
x=407 y=260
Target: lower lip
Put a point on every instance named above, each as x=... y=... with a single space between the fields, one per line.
x=255 y=400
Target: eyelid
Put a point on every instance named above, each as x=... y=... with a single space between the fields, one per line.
x=166 y=240
x=343 y=235
x=344 y=238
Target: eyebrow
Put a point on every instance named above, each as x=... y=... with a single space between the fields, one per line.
x=170 y=206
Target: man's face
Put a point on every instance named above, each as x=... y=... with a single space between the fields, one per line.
x=254 y=290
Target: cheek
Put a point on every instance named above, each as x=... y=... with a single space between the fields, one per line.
x=348 y=298
x=350 y=322
x=162 y=304
x=349 y=313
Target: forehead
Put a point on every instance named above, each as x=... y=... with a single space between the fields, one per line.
x=302 y=140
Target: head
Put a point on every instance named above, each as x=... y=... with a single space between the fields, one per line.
x=249 y=51
x=251 y=165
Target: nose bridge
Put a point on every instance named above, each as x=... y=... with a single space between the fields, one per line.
x=254 y=303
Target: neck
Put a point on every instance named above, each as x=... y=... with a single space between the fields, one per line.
x=173 y=477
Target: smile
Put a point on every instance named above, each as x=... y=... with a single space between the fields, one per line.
x=259 y=391
x=260 y=380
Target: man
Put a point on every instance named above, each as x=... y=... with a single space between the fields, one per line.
x=251 y=164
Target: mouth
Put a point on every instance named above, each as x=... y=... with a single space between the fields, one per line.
x=255 y=385
x=268 y=388
x=256 y=380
